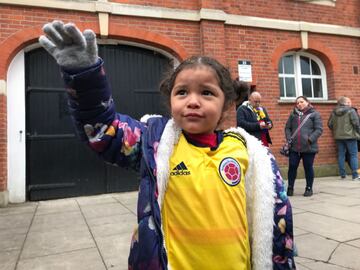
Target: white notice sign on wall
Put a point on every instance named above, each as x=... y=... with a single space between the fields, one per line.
x=244 y=68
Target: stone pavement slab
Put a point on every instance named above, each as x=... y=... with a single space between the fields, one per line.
x=327 y=225
x=115 y=250
x=84 y=259
x=11 y=240
x=347 y=256
x=103 y=210
x=321 y=247
x=53 y=221
x=56 y=241
x=112 y=225
x=56 y=206
x=15 y=221
x=8 y=259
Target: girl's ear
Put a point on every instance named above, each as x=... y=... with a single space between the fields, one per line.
x=225 y=120
x=222 y=122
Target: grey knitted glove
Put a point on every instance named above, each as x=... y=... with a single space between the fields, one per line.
x=70 y=48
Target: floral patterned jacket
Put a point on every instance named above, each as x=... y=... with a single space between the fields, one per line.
x=147 y=146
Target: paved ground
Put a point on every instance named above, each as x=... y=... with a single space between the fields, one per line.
x=93 y=233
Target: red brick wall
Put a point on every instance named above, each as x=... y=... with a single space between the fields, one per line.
x=279 y=9
x=15 y=18
x=186 y=34
x=3 y=145
x=344 y=13
x=20 y=26
x=185 y=4
x=212 y=37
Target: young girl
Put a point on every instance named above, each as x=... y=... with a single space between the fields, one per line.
x=208 y=199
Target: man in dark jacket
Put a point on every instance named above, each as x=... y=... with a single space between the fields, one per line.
x=344 y=123
x=255 y=119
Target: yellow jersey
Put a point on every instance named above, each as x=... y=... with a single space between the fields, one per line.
x=204 y=209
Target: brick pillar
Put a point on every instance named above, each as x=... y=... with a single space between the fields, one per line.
x=212 y=4
x=213 y=45
x=3 y=152
x=212 y=34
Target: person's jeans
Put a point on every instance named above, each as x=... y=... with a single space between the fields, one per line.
x=351 y=147
x=308 y=161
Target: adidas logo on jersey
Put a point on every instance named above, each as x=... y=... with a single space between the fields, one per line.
x=180 y=169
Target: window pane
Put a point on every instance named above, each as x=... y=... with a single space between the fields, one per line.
x=315 y=68
x=280 y=66
x=281 y=84
x=305 y=65
x=289 y=64
x=306 y=87
x=290 y=87
x=317 y=88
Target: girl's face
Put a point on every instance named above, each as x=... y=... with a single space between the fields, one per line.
x=197 y=100
x=301 y=103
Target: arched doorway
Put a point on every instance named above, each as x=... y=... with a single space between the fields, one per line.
x=58 y=164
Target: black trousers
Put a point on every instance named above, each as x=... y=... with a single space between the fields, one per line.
x=308 y=162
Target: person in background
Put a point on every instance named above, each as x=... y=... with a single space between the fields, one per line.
x=254 y=118
x=344 y=123
x=304 y=145
x=347 y=155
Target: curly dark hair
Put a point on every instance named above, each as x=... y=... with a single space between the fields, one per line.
x=242 y=91
x=222 y=74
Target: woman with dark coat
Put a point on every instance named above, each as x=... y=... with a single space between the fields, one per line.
x=304 y=144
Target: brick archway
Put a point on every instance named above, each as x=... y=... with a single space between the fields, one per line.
x=148 y=38
x=328 y=57
x=11 y=46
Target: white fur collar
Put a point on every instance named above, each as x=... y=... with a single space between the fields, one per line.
x=259 y=184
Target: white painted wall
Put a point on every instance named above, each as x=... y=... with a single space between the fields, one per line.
x=16 y=129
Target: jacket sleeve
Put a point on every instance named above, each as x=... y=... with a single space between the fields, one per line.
x=318 y=128
x=268 y=118
x=283 y=239
x=242 y=120
x=288 y=128
x=115 y=137
x=354 y=117
x=330 y=122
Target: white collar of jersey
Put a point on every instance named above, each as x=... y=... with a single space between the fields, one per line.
x=260 y=208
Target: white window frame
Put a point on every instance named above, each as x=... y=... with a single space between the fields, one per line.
x=319 y=2
x=298 y=76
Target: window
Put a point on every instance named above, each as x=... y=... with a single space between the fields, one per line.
x=302 y=74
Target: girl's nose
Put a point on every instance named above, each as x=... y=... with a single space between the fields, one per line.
x=193 y=101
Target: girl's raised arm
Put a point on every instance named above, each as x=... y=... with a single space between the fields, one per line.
x=113 y=136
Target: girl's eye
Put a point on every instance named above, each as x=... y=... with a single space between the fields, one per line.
x=207 y=93
x=181 y=92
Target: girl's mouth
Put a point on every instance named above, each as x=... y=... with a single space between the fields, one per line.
x=193 y=115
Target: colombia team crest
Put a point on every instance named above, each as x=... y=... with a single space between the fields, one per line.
x=230 y=171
